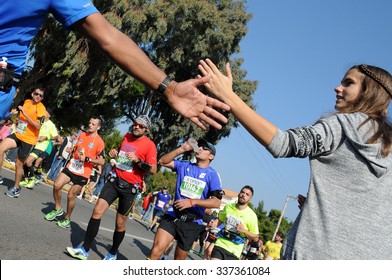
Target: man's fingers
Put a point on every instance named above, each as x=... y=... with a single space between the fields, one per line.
x=210 y=121
x=196 y=121
x=201 y=81
x=212 y=102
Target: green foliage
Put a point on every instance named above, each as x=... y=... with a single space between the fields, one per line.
x=162 y=178
x=112 y=141
x=175 y=34
x=268 y=223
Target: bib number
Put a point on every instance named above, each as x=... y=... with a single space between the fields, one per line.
x=192 y=188
x=22 y=126
x=76 y=166
x=123 y=162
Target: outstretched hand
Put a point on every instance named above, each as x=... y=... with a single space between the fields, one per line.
x=218 y=84
x=188 y=101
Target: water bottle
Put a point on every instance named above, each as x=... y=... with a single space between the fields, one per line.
x=194 y=144
x=3 y=63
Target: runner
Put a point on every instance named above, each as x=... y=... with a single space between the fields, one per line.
x=89 y=151
x=31 y=117
x=198 y=187
x=240 y=224
x=135 y=158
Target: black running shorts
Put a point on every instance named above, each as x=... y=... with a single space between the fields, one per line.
x=184 y=232
x=222 y=254
x=110 y=192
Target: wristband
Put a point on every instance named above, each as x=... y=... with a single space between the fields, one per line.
x=163 y=86
x=191 y=202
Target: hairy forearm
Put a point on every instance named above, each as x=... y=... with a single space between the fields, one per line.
x=212 y=202
x=169 y=157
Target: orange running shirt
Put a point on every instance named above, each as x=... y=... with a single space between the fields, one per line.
x=90 y=146
x=25 y=131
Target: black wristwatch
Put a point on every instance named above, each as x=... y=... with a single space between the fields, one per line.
x=87 y=159
x=163 y=86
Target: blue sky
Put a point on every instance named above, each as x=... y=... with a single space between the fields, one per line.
x=298 y=51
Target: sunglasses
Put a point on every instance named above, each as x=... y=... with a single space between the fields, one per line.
x=38 y=94
x=206 y=148
x=139 y=125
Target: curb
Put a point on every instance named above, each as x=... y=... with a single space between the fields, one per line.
x=50 y=183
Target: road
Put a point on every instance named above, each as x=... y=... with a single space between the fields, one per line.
x=26 y=235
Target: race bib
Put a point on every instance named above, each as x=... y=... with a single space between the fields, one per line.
x=22 y=126
x=161 y=204
x=231 y=223
x=123 y=162
x=76 y=166
x=192 y=188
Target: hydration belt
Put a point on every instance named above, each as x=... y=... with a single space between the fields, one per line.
x=231 y=236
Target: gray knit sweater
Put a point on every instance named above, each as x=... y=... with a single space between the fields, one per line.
x=347 y=213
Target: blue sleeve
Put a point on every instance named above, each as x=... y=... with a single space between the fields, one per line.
x=214 y=182
x=70 y=11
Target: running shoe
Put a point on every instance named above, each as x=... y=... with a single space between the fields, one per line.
x=30 y=184
x=64 y=223
x=78 y=253
x=110 y=257
x=13 y=192
x=55 y=213
x=24 y=182
x=1 y=180
x=38 y=179
x=92 y=198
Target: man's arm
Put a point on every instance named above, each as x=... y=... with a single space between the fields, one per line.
x=183 y=97
x=167 y=160
x=249 y=235
x=212 y=202
x=36 y=123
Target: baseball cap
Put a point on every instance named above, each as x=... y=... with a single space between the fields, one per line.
x=144 y=120
x=203 y=143
x=165 y=187
x=112 y=160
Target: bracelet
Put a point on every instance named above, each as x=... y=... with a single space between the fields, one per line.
x=191 y=202
x=163 y=86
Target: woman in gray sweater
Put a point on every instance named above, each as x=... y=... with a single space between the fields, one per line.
x=348 y=205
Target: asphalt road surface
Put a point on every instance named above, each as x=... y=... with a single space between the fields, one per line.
x=26 y=235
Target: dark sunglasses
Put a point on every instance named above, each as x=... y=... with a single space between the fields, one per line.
x=139 y=125
x=38 y=94
x=206 y=148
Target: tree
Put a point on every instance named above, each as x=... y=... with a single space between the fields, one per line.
x=112 y=141
x=175 y=34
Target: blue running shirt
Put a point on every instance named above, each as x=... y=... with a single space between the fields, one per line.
x=20 y=21
x=195 y=182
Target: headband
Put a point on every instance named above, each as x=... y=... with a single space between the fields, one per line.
x=370 y=74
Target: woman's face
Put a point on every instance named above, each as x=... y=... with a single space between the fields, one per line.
x=349 y=88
